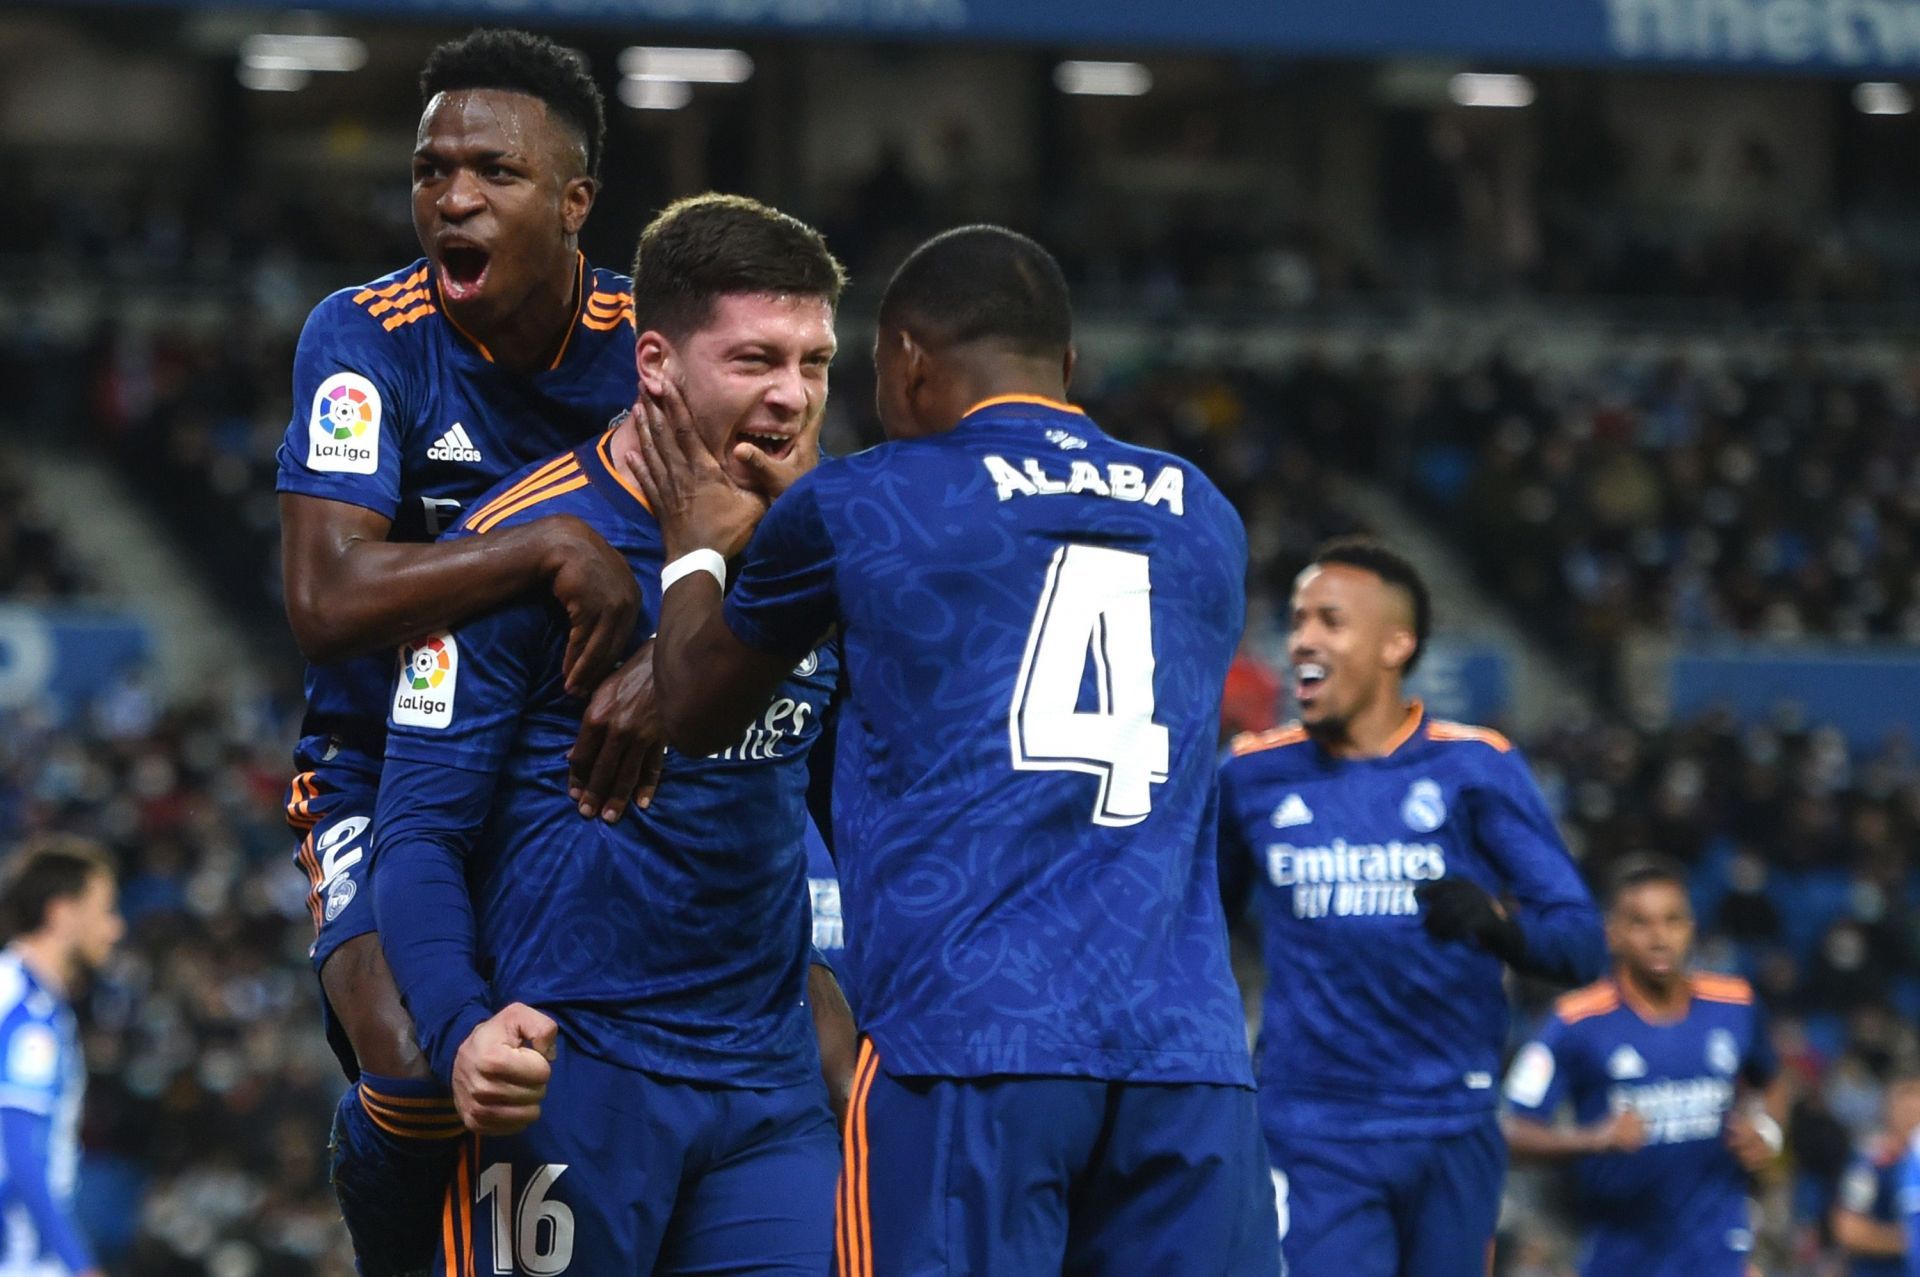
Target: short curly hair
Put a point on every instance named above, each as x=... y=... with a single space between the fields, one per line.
x=521 y=62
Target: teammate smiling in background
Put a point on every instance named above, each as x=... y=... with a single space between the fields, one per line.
x=1664 y=1069
x=412 y=396
x=1378 y=838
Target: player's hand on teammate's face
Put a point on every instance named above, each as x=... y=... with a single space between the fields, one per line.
x=773 y=476
x=699 y=507
x=595 y=585
x=621 y=746
x=501 y=1071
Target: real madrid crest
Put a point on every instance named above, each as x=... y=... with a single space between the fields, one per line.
x=1425 y=807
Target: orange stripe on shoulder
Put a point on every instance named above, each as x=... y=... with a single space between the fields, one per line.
x=1272 y=738
x=554 y=469
x=529 y=501
x=1714 y=987
x=1584 y=1004
x=1439 y=730
x=414 y=280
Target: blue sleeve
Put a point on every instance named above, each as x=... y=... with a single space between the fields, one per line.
x=350 y=409
x=1564 y=939
x=446 y=744
x=785 y=596
x=1909 y=1207
x=24 y=1136
x=1236 y=856
x=1537 y=1081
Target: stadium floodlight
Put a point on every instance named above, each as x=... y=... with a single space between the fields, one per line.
x=272 y=79
x=1880 y=98
x=303 y=53
x=1103 y=79
x=1475 y=88
x=687 y=66
x=655 y=95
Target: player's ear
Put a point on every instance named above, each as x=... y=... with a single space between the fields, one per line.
x=1067 y=366
x=576 y=201
x=653 y=359
x=1398 y=649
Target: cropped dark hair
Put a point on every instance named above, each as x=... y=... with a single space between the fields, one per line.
x=521 y=62
x=1640 y=869
x=43 y=871
x=1372 y=556
x=706 y=247
x=981 y=283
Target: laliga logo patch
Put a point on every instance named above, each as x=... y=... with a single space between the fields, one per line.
x=344 y=434
x=1723 y=1053
x=1425 y=807
x=423 y=692
x=808 y=666
x=339 y=896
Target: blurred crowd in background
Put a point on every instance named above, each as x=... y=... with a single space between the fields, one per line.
x=1770 y=490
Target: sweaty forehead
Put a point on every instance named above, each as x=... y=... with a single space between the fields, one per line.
x=497 y=121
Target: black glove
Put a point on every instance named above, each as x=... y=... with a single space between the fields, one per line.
x=1456 y=909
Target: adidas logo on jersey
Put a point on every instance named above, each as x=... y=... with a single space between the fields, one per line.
x=1292 y=811
x=453 y=446
x=1626 y=1063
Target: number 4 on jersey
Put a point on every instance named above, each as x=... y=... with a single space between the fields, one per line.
x=1096 y=601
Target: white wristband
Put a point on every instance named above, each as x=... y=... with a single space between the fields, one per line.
x=694 y=561
x=1767 y=1129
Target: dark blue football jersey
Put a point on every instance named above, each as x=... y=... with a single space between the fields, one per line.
x=1370 y=1027
x=1036 y=622
x=674 y=942
x=1667 y=1209
x=1872 y=1186
x=397 y=410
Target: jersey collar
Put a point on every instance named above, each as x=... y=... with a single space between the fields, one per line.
x=596 y=458
x=1031 y=401
x=1416 y=716
x=1644 y=1010
x=580 y=273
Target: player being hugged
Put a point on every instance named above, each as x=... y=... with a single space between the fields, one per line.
x=1037 y=621
x=637 y=987
x=1377 y=840
x=1674 y=1086
x=413 y=395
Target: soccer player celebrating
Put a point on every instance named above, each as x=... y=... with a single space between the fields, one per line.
x=412 y=396
x=637 y=987
x=1869 y=1220
x=57 y=905
x=1664 y=1070
x=1379 y=839
x=1037 y=620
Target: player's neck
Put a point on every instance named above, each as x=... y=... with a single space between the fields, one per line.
x=1664 y=999
x=527 y=337
x=46 y=957
x=1374 y=731
x=1001 y=376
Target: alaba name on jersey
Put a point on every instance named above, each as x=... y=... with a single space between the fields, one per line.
x=1682 y=1198
x=674 y=941
x=42 y=1073
x=395 y=409
x=1371 y=1027
x=1037 y=621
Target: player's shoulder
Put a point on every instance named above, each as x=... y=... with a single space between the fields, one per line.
x=383 y=311
x=558 y=485
x=607 y=306
x=1596 y=1000
x=1466 y=737
x=1726 y=990
x=1280 y=744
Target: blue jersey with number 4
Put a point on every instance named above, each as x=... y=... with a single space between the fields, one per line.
x=1037 y=621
